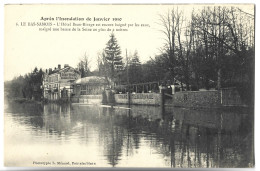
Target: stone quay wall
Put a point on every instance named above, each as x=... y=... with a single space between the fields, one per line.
x=197 y=99
x=210 y=98
x=139 y=98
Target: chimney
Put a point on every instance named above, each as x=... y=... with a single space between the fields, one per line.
x=59 y=66
x=46 y=71
x=50 y=70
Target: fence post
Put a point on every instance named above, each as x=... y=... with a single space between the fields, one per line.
x=221 y=96
x=162 y=100
x=129 y=99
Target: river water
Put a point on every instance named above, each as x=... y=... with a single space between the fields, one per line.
x=142 y=136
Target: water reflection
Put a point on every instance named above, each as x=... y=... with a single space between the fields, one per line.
x=142 y=135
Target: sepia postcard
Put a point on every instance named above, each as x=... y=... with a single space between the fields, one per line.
x=113 y=85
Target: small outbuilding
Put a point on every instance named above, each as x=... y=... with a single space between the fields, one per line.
x=92 y=85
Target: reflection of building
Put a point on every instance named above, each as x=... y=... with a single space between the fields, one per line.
x=57 y=84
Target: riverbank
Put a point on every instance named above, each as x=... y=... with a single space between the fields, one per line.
x=23 y=100
x=227 y=98
x=30 y=101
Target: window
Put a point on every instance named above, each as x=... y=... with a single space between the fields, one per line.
x=83 y=93
x=83 y=87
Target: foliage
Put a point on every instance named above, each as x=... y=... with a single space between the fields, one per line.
x=135 y=69
x=84 y=66
x=27 y=86
x=213 y=49
x=113 y=58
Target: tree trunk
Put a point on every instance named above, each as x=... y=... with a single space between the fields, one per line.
x=219 y=79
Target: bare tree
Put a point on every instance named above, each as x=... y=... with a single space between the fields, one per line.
x=84 y=65
x=212 y=49
x=178 y=35
x=224 y=32
x=169 y=23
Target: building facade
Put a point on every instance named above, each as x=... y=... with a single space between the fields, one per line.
x=92 y=85
x=57 y=83
x=90 y=89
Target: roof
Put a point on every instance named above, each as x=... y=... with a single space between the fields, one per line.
x=64 y=70
x=91 y=80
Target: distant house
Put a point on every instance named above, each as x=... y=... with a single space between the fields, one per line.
x=58 y=83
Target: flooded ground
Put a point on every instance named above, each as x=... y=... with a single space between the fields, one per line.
x=142 y=136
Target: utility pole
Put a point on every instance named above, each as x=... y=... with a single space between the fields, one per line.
x=127 y=77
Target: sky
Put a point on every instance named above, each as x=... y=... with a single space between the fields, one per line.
x=26 y=47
